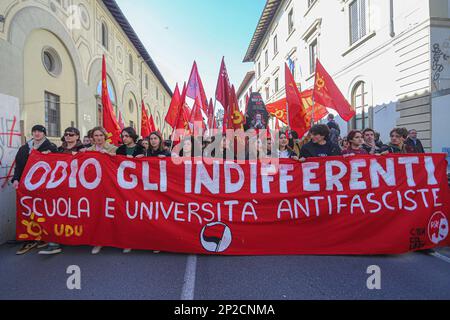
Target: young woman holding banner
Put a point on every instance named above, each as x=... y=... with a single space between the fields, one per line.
x=100 y=144
x=185 y=149
x=156 y=148
x=356 y=140
x=284 y=151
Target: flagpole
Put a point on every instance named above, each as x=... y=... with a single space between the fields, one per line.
x=313 y=100
x=218 y=246
x=179 y=113
x=288 y=119
x=214 y=113
x=173 y=130
x=171 y=140
x=164 y=127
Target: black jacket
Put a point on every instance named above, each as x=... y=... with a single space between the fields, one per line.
x=368 y=148
x=151 y=153
x=333 y=125
x=63 y=149
x=122 y=150
x=417 y=147
x=23 y=154
x=313 y=150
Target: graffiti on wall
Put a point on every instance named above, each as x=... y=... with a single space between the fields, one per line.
x=10 y=137
x=439 y=57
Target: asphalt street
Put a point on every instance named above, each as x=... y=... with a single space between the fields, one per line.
x=113 y=275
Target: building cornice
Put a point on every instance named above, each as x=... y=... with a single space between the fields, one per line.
x=247 y=79
x=262 y=28
x=312 y=29
x=440 y=22
x=123 y=22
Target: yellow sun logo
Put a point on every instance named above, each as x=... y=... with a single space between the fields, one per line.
x=237 y=117
x=320 y=83
x=279 y=114
x=109 y=136
x=34 y=229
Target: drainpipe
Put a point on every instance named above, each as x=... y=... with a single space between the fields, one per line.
x=391 y=14
x=142 y=97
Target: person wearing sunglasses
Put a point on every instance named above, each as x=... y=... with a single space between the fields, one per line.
x=72 y=143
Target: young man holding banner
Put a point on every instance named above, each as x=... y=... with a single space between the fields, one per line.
x=40 y=143
x=319 y=146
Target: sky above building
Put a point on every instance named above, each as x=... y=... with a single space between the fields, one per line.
x=177 y=32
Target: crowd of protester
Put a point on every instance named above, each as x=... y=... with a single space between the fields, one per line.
x=322 y=140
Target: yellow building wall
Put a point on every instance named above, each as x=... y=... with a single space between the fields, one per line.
x=85 y=37
x=38 y=80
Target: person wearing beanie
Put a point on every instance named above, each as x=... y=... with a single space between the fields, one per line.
x=40 y=143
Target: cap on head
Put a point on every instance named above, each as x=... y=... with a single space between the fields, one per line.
x=39 y=128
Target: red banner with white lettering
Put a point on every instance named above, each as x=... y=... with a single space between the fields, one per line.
x=356 y=205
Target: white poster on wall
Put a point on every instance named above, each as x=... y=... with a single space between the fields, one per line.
x=10 y=141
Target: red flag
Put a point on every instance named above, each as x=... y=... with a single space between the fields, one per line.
x=327 y=93
x=319 y=110
x=278 y=110
x=195 y=88
x=211 y=117
x=223 y=86
x=214 y=233
x=145 y=127
x=223 y=89
x=247 y=97
x=277 y=124
x=268 y=133
x=110 y=122
x=215 y=124
x=182 y=126
x=297 y=114
x=236 y=118
x=151 y=124
x=174 y=108
x=121 y=121
x=196 y=116
x=182 y=121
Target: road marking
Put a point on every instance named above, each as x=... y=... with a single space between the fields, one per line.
x=440 y=256
x=189 y=279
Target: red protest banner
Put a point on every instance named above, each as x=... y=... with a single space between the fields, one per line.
x=356 y=205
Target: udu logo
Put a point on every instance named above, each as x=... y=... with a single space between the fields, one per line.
x=438 y=228
x=216 y=237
